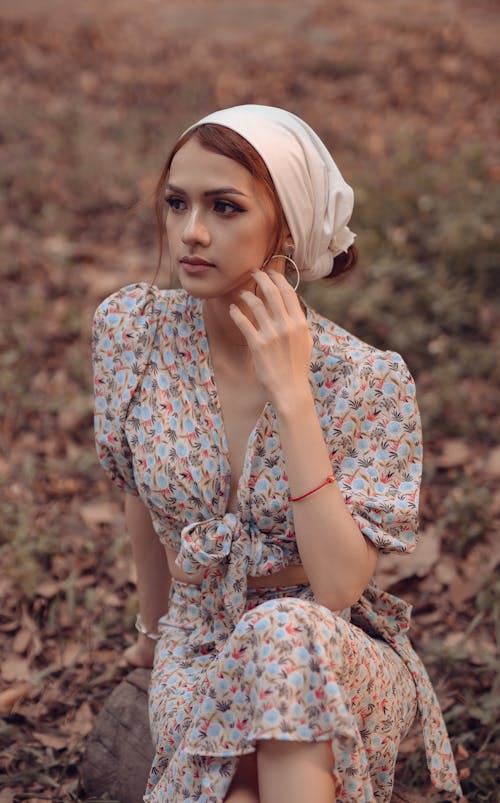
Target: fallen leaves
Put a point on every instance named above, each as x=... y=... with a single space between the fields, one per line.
x=394 y=567
x=454 y=452
x=15 y=668
x=53 y=740
x=72 y=164
x=10 y=696
x=100 y=512
x=492 y=463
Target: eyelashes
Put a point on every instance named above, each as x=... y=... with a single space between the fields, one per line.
x=221 y=207
x=225 y=207
x=175 y=203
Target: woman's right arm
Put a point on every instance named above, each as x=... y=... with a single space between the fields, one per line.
x=153 y=577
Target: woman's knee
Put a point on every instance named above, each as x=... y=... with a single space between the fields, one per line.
x=289 y=618
x=276 y=612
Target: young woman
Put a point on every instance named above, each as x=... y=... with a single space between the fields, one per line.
x=268 y=456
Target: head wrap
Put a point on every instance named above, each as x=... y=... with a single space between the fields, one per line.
x=316 y=200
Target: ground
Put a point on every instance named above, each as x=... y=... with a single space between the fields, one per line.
x=92 y=97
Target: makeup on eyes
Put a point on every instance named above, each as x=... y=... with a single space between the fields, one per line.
x=174 y=202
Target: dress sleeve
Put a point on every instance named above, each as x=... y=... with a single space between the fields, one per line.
x=380 y=465
x=122 y=336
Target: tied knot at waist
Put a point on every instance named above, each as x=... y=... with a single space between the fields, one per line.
x=211 y=543
x=228 y=550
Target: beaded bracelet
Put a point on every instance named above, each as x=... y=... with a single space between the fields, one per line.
x=328 y=480
x=140 y=626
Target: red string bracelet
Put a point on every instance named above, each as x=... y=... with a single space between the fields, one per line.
x=328 y=480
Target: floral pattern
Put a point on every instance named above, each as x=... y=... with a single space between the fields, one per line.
x=160 y=434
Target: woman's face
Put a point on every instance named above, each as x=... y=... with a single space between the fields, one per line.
x=219 y=222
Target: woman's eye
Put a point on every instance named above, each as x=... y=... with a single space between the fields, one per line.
x=175 y=203
x=226 y=208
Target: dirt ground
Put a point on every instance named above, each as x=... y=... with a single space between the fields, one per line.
x=92 y=95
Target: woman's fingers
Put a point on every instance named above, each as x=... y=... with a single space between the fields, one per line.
x=244 y=324
x=274 y=314
x=271 y=292
x=278 y=301
x=264 y=319
x=288 y=295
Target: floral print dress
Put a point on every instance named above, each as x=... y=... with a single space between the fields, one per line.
x=235 y=665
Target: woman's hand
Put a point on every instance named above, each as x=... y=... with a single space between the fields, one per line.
x=278 y=338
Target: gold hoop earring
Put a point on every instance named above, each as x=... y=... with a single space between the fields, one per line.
x=288 y=259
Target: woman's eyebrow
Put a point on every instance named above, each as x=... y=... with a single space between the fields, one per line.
x=225 y=191
x=208 y=193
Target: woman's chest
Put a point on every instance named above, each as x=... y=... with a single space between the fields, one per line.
x=241 y=405
x=192 y=439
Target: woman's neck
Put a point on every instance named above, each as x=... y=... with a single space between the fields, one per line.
x=223 y=335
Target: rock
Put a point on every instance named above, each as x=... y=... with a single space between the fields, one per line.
x=119 y=750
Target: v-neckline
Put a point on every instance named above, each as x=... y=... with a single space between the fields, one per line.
x=225 y=463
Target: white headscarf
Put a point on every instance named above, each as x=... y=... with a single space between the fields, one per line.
x=316 y=200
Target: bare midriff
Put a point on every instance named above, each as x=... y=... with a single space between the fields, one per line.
x=292 y=575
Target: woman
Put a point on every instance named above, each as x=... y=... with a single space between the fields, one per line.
x=268 y=456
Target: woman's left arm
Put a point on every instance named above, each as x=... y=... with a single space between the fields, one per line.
x=337 y=558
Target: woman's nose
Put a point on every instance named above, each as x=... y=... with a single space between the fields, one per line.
x=195 y=230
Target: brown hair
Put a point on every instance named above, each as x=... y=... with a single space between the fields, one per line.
x=227 y=142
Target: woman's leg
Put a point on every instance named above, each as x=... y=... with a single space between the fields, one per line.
x=295 y=772
x=244 y=786
x=302 y=676
x=292 y=772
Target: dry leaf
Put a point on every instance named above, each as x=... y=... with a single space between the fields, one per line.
x=65 y=618
x=70 y=417
x=83 y=721
x=11 y=696
x=492 y=466
x=101 y=281
x=446 y=570
x=48 y=589
x=402 y=795
x=15 y=668
x=96 y=513
x=395 y=567
x=6 y=587
x=55 y=741
x=455 y=452
x=84 y=581
x=9 y=627
x=70 y=653
x=21 y=640
x=112 y=599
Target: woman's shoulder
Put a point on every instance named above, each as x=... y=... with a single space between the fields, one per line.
x=138 y=303
x=340 y=350
x=134 y=311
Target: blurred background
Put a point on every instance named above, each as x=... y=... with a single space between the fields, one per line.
x=93 y=95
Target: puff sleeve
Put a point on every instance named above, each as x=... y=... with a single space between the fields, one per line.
x=122 y=337
x=379 y=462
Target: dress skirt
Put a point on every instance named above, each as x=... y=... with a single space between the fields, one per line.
x=292 y=670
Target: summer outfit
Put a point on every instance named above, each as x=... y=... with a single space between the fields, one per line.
x=235 y=665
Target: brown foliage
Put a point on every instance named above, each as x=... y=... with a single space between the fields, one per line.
x=93 y=99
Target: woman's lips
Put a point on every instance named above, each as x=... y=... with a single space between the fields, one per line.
x=194 y=265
